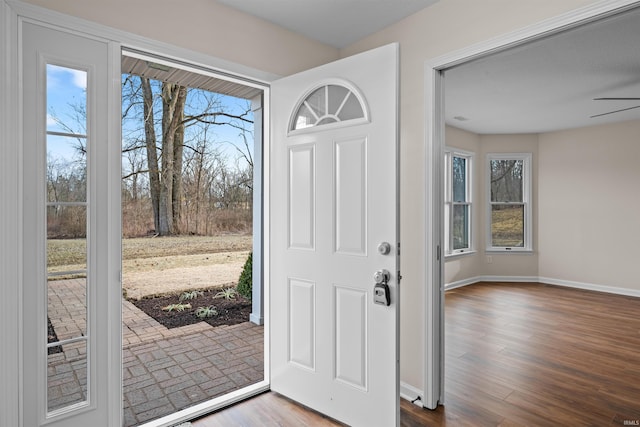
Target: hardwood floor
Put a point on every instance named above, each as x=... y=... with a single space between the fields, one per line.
x=517 y=354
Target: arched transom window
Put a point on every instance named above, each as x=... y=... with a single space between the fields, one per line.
x=330 y=104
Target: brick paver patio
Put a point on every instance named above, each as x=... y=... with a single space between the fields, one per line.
x=164 y=370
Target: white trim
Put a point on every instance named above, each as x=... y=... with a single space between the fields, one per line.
x=545 y=281
x=411 y=393
x=469 y=157
x=461 y=254
x=433 y=303
x=434 y=142
x=10 y=226
x=462 y=283
x=518 y=279
x=266 y=231
x=257 y=287
x=209 y=406
x=114 y=235
x=590 y=287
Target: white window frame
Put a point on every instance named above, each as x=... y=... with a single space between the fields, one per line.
x=526 y=201
x=449 y=203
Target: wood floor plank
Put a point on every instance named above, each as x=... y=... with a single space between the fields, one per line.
x=517 y=354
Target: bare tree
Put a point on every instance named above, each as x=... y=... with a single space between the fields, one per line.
x=152 y=151
x=173 y=119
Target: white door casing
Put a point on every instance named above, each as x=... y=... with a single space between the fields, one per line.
x=334 y=199
x=80 y=386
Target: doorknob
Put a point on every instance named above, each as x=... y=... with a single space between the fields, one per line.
x=384 y=248
x=381 y=291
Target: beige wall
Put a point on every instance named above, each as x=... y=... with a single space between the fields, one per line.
x=204 y=26
x=589 y=209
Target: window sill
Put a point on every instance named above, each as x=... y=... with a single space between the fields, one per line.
x=512 y=251
x=459 y=255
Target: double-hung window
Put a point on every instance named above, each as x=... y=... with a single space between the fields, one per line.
x=509 y=193
x=457 y=215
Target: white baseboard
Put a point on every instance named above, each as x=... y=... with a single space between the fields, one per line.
x=510 y=279
x=410 y=393
x=461 y=283
x=546 y=281
x=590 y=286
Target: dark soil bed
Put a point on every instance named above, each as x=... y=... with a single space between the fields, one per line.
x=230 y=311
x=52 y=337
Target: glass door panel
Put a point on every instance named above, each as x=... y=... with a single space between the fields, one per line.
x=66 y=245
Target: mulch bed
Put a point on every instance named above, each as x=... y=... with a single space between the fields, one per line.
x=230 y=311
x=52 y=337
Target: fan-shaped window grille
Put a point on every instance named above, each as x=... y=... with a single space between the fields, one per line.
x=329 y=104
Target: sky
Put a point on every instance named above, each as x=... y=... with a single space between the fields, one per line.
x=65 y=87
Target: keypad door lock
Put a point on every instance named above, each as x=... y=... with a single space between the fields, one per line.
x=381 y=292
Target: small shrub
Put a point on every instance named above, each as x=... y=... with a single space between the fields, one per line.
x=228 y=294
x=206 y=312
x=245 y=282
x=190 y=295
x=177 y=307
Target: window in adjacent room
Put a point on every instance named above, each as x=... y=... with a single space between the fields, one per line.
x=509 y=212
x=457 y=215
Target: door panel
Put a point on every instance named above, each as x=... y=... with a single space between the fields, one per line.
x=302 y=225
x=69 y=334
x=333 y=200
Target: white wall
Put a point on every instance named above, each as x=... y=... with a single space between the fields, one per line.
x=589 y=207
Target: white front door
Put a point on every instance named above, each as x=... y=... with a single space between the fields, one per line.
x=71 y=228
x=334 y=205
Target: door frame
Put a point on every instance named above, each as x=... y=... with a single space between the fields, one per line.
x=11 y=193
x=434 y=83
x=10 y=224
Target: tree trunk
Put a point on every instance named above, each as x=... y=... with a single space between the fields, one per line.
x=152 y=153
x=173 y=100
x=178 y=149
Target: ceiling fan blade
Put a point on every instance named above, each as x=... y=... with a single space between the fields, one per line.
x=616 y=111
x=616 y=99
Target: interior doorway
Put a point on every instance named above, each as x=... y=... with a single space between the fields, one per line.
x=193 y=321
x=457 y=60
